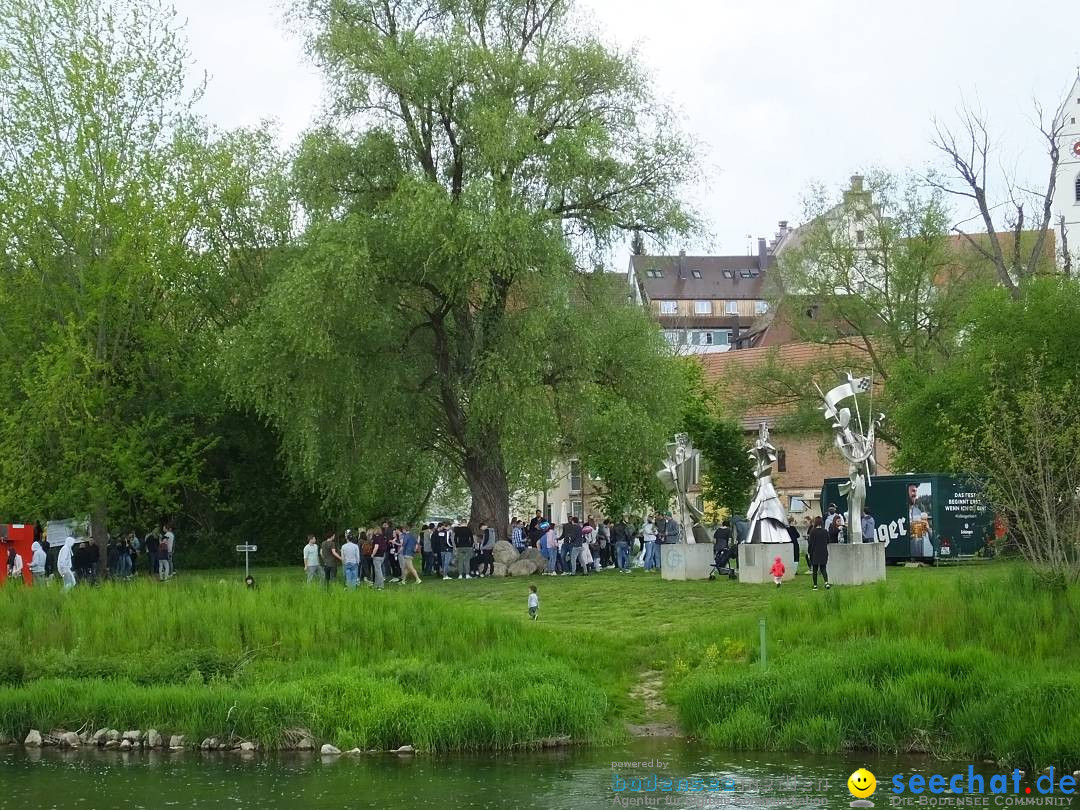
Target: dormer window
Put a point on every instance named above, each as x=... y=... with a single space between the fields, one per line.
x=695 y=273
x=728 y=274
x=745 y=274
x=654 y=273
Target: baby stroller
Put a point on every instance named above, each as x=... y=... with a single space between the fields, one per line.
x=724 y=563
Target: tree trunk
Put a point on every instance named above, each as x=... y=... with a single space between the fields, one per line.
x=485 y=474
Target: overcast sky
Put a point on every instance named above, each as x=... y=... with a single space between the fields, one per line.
x=778 y=94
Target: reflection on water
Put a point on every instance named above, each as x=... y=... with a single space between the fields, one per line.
x=559 y=780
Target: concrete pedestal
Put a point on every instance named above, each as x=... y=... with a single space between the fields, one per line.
x=685 y=561
x=755 y=560
x=856 y=563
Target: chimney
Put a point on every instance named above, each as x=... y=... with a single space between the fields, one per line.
x=681 y=265
x=762 y=252
x=856 y=182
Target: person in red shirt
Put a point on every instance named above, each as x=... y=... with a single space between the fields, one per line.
x=777 y=571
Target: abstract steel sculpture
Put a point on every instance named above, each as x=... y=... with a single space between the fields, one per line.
x=682 y=470
x=768 y=520
x=855 y=445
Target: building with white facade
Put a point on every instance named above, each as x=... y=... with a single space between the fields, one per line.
x=1066 y=205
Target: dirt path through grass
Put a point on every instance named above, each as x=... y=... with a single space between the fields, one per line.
x=658 y=717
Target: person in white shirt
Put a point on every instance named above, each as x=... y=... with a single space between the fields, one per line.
x=311 y=559
x=534 y=602
x=64 y=564
x=37 y=561
x=166 y=550
x=350 y=558
x=648 y=535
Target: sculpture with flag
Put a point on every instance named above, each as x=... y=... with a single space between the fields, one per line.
x=854 y=444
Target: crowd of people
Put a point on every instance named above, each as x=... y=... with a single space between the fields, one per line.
x=452 y=550
x=77 y=560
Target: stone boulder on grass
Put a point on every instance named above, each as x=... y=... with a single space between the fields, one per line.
x=522 y=568
x=500 y=570
x=504 y=553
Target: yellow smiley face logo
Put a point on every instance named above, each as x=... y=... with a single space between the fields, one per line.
x=862 y=784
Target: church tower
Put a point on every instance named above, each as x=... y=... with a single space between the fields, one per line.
x=1067 y=192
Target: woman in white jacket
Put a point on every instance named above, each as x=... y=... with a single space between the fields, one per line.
x=63 y=564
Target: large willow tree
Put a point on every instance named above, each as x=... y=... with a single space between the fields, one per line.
x=433 y=321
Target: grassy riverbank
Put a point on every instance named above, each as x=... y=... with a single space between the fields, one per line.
x=964 y=662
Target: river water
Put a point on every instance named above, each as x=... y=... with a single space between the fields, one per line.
x=560 y=780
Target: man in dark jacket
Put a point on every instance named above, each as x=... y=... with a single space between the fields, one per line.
x=574 y=539
x=443 y=548
x=817 y=551
x=463 y=549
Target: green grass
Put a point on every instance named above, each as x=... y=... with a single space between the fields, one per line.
x=972 y=662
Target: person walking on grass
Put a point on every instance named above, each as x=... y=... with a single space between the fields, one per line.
x=777 y=571
x=408 y=552
x=817 y=552
x=534 y=602
x=330 y=557
x=311 y=559
x=65 y=564
x=350 y=558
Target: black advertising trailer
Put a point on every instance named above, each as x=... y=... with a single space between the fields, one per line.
x=921 y=517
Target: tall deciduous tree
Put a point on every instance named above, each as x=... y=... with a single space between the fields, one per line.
x=93 y=104
x=434 y=318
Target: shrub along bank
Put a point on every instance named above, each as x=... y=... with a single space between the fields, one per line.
x=968 y=662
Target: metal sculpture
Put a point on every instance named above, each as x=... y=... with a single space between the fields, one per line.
x=768 y=519
x=681 y=470
x=854 y=444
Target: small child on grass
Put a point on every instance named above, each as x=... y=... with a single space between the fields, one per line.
x=534 y=602
x=777 y=571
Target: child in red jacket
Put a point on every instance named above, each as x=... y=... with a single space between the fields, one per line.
x=777 y=571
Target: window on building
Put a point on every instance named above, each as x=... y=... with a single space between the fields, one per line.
x=575 y=476
x=732 y=308
x=654 y=273
x=761 y=307
x=860 y=236
x=722 y=338
x=781 y=461
x=672 y=337
x=668 y=307
x=576 y=509
x=703 y=307
x=695 y=273
x=728 y=274
x=796 y=504
x=745 y=274
x=1078 y=188
x=706 y=338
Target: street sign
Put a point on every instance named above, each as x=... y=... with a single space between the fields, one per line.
x=246 y=549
